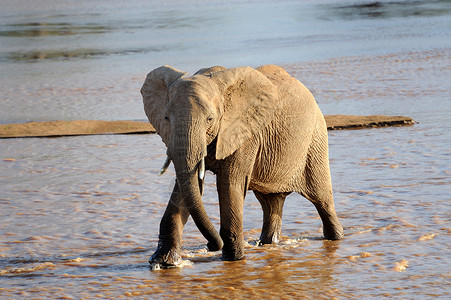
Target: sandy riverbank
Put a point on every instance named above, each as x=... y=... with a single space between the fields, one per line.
x=85 y=127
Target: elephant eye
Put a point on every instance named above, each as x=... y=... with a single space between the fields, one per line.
x=210 y=119
x=166 y=118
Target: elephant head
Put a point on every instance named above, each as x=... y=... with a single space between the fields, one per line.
x=226 y=105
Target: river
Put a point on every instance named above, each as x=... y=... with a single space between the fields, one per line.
x=80 y=215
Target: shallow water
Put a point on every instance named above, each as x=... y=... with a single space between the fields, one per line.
x=80 y=215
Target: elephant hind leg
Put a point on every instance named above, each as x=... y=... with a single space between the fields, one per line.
x=272 y=205
x=323 y=200
x=321 y=196
x=332 y=228
x=318 y=189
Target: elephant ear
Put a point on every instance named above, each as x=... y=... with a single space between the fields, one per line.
x=250 y=102
x=155 y=97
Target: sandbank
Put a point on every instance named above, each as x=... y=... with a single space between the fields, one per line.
x=91 y=127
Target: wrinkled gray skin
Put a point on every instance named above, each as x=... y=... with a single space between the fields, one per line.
x=256 y=129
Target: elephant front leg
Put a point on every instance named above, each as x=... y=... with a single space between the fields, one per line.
x=272 y=205
x=231 y=199
x=174 y=219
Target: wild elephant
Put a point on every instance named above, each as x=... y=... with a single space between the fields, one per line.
x=256 y=129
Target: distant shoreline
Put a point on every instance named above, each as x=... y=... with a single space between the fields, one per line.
x=93 y=127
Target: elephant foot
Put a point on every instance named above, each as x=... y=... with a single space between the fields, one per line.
x=165 y=258
x=159 y=262
x=267 y=241
x=271 y=237
x=233 y=254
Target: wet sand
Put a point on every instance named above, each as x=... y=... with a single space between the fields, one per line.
x=92 y=127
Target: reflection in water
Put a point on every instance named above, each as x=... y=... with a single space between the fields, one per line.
x=270 y=270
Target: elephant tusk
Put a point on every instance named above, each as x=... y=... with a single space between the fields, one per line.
x=201 y=174
x=201 y=187
x=165 y=166
x=202 y=169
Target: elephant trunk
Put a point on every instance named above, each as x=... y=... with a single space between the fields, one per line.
x=190 y=188
x=188 y=158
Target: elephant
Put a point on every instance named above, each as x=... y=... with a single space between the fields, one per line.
x=255 y=129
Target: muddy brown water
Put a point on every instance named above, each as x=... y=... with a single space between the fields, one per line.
x=80 y=215
x=82 y=221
